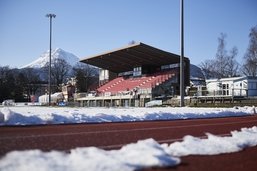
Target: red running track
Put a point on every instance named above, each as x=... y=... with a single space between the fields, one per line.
x=114 y=135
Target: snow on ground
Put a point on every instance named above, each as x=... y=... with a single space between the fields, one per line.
x=145 y=153
x=214 y=145
x=129 y=157
x=31 y=115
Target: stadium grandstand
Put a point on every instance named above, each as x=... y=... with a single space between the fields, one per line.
x=134 y=75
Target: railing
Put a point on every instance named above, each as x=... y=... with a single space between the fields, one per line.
x=225 y=92
x=80 y=95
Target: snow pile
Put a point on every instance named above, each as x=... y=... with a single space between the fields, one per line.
x=31 y=115
x=127 y=158
x=214 y=144
x=18 y=118
x=143 y=154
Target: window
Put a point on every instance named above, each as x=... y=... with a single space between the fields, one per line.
x=170 y=66
x=223 y=86
x=137 y=71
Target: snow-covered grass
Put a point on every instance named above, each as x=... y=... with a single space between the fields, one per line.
x=31 y=115
x=143 y=154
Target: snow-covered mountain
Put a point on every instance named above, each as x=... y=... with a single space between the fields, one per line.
x=57 y=53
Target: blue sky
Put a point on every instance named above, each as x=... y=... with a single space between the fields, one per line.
x=89 y=27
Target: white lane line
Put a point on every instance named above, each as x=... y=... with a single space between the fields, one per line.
x=125 y=130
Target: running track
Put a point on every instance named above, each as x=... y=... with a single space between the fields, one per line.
x=114 y=135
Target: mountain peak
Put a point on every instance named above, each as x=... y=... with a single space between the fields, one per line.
x=58 y=50
x=57 y=53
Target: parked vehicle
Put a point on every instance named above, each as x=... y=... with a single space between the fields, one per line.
x=9 y=102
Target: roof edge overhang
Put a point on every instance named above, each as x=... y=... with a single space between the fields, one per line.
x=111 y=51
x=124 y=58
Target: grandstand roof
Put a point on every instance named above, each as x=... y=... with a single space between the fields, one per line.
x=126 y=58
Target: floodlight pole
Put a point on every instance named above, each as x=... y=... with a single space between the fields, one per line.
x=182 y=89
x=50 y=16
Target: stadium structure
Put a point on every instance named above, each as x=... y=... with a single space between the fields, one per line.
x=135 y=75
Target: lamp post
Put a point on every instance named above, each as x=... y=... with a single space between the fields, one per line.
x=50 y=16
x=182 y=89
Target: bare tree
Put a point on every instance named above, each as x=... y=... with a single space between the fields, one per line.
x=249 y=67
x=60 y=71
x=33 y=81
x=208 y=69
x=232 y=68
x=12 y=84
x=221 y=57
x=224 y=64
x=86 y=76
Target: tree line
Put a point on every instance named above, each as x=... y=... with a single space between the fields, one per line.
x=225 y=64
x=21 y=84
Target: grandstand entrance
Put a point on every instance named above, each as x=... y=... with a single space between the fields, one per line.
x=134 y=75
